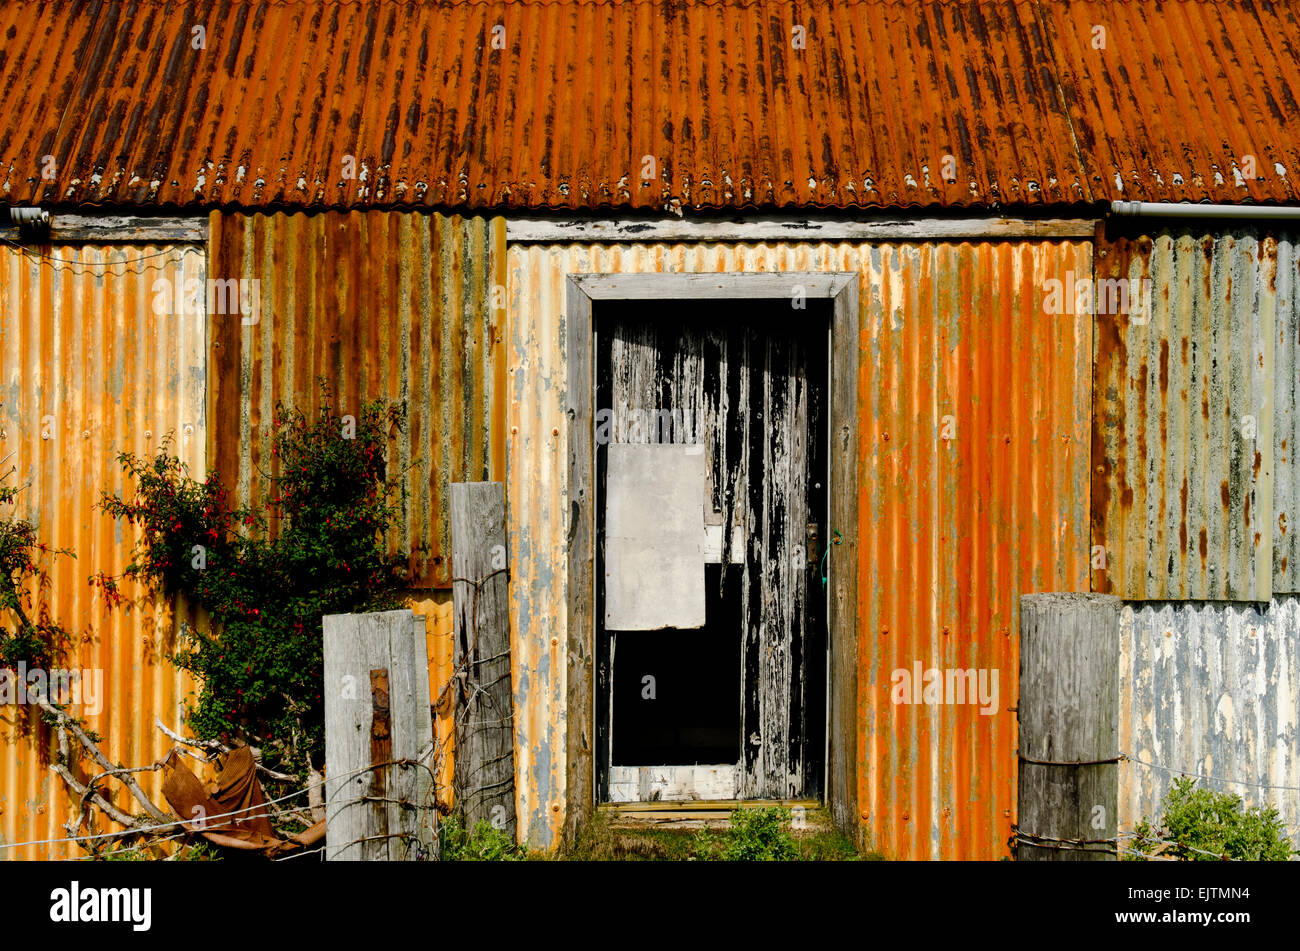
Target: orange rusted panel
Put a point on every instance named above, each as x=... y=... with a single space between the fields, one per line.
x=564 y=105
x=974 y=430
x=643 y=104
x=439 y=632
x=1189 y=101
x=92 y=363
x=393 y=306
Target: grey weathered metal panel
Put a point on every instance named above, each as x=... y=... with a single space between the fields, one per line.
x=1210 y=690
x=1183 y=448
x=1286 y=415
x=398 y=306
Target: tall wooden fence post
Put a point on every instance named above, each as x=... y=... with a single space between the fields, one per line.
x=1069 y=732
x=485 y=737
x=379 y=750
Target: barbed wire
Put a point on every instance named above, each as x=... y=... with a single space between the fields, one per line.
x=1208 y=779
x=69 y=264
x=205 y=820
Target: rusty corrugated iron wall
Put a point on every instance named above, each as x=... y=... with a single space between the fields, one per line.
x=1211 y=691
x=974 y=466
x=952 y=530
x=90 y=368
x=1194 y=481
x=391 y=305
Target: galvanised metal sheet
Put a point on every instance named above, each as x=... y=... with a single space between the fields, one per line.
x=1183 y=437
x=93 y=362
x=1210 y=691
x=383 y=305
x=1284 y=249
x=973 y=406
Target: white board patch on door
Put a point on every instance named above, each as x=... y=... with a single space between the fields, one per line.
x=654 y=537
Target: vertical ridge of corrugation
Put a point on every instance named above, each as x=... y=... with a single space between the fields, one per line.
x=383 y=305
x=1286 y=418
x=81 y=343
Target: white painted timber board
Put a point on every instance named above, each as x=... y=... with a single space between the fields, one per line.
x=654 y=537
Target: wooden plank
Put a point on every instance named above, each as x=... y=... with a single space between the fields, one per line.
x=842 y=566
x=125 y=228
x=779 y=285
x=485 y=743
x=580 y=645
x=378 y=737
x=1069 y=729
x=790 y=228
x=707 y=805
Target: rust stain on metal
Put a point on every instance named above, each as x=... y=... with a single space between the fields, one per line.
x=88 y=369
x=1183 y=492
x=961 y=340
x=364 y=105
x=392 y=306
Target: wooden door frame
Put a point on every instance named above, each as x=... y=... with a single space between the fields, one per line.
x=841 y=289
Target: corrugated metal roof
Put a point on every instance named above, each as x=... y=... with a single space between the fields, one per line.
x=1183 y=98
x=649 y=104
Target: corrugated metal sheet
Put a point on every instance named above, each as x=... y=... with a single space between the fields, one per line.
x=1176 y=101
x=398 y=306
x=1210 y=690
x=1182 y=487
x=562 y=105
x=1286 y=415
x=953 y=531
x=86 y=360
x=959 y=340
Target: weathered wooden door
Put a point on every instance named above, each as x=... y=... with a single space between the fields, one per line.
x=711 y=460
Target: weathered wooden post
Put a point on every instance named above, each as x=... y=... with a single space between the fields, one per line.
x=379 y=802
x=485 y=737
x=1069 y=734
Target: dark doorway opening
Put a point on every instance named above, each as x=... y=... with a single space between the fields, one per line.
x=744 y=690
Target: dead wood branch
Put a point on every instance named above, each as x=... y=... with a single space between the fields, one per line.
x=214 y=747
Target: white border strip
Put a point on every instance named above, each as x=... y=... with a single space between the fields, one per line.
x=566 y=230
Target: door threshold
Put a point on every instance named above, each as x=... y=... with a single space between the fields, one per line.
x=706 y=813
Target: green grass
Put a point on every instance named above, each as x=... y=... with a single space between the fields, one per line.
x=755 y=835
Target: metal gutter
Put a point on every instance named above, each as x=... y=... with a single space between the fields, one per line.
x=1167 y=209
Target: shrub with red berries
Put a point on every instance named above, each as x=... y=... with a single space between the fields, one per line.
x=266 y=574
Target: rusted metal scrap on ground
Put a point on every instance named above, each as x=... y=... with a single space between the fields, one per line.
x=231 y=810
